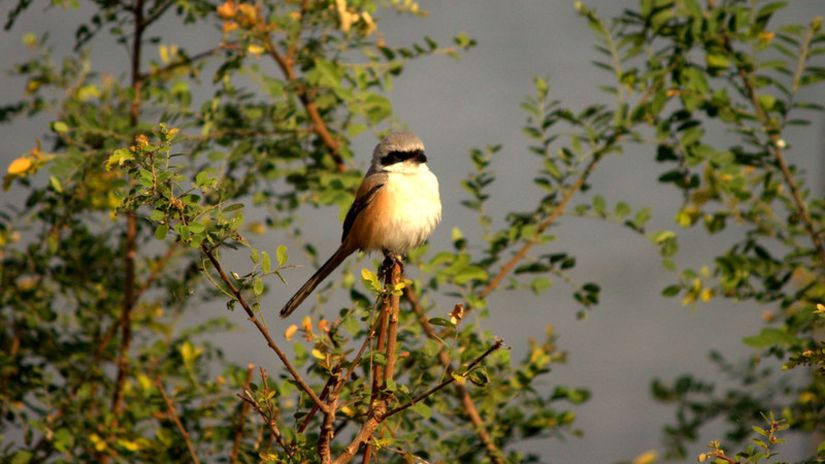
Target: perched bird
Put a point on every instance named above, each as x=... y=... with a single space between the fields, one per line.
x=396 y=208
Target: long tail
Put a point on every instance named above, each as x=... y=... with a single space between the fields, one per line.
x=337 y=258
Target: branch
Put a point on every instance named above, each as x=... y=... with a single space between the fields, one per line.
x=546 y=222
x=130 y=251
x=776 y=144
x=392 y=302
x=327 y=431
x=270 y=421
x=185 y=61
x=363 y=435
x=498 y=344
x=296 y=376
x=236 y=443
x=387 y=335
x=170 y=409
x=156 y=270
x=493 y=452
x=318 y=124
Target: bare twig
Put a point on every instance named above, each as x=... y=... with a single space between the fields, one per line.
x=236 y=443
x=236 y=292
x=327 y=431
x=324 y=394
x=393 y=278
x=173 y=414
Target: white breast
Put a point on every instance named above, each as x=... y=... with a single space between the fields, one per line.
x=415 y=210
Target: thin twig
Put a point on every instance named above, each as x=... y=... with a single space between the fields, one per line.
x=173 y=414
x=498 y=344
x=270 y=421
x=156 y=270
x=296 y=376
x=236 y=443
x=558 y=210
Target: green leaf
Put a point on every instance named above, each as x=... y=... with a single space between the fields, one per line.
x=161 y=231
x=717 y=61
x=266 y=264
x=281 y=256
x=60 y=127
x=55 y=183
x=767 y=102
x=371 y=280
x=421 y=408
x=258 y=286
x=599 y=205
x=22 y=457
x=233 y=207
x=771 y=337
x=441 y=322
x=539 y=284
x=671 y=290
x=479 y=377
x=118 y=157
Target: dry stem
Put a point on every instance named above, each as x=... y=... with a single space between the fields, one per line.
x=173 y=414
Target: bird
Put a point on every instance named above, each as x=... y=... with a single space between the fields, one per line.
x=396 y=208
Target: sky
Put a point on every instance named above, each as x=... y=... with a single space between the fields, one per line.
x=634 y=335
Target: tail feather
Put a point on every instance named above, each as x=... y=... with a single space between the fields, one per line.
x=337 y=258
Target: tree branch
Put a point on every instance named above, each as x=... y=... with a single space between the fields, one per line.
x=545 y=223
x=236 y=443
x=318 y=124
x=776 y=144
x=296 y=376
x=387 y=334
x=130 y=248
x=493 y=452
x=170 y=410
x=270 y=421
x=498 y=344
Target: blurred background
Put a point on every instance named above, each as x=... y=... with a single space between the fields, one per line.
x=634 y=335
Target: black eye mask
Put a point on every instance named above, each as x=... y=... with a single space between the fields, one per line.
x=394 y=157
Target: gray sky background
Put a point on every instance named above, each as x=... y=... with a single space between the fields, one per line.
x=634 y=335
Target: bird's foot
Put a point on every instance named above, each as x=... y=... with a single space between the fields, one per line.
x=390 y=260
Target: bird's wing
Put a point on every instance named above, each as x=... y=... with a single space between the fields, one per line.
x=366 y=193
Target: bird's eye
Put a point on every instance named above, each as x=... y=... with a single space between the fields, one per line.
x=396 y=156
